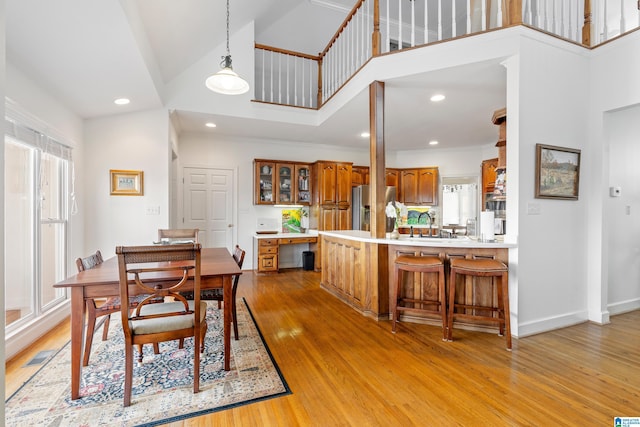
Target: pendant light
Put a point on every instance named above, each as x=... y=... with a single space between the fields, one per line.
x=226 y=81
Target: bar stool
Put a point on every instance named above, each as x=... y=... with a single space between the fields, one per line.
x=481 y=268
x=419 y=264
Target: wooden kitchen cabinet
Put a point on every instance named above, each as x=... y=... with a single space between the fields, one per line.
x=359 y=175
x=428 y=186
x=333 y=183
x=303 y=183
x=392 y=178
x=489 y=175
x=267 y=255
x=280 y=182
x=419 y=186
x=264 y=182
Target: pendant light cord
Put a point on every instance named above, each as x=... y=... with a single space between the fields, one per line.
x=228 y=51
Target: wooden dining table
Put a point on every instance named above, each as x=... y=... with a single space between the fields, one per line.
x=217 y=270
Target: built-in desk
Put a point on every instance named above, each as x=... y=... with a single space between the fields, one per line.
x=268 y=250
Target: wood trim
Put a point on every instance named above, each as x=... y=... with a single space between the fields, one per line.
x=286 y=52
x=377 y=158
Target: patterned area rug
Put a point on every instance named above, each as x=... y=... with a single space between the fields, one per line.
x=162 y=387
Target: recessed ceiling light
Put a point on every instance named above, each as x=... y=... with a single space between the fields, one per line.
x=365 y=134
x=434 y=142
x=437 y=97
x=121 y=101
x=210 y=125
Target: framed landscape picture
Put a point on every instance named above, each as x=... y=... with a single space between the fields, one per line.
x=126 y=183
x=557 y=172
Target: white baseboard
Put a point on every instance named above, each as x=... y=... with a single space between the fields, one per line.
x=18 y=340
x=551 y=323
x=624 y=306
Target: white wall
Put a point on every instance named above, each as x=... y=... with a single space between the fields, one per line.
x=136 y=141
x=552 y=100
x=623 y=243
x=614 y=86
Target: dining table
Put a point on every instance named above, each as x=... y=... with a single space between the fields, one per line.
x=217 y=266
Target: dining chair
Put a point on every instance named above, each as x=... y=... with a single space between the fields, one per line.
x=218 y=294
x=104 y=309
x=178 y=265
x=178 y=234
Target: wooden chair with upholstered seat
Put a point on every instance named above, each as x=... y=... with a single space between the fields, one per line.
x=105 y=309
x=218 y=295
x=178 y=265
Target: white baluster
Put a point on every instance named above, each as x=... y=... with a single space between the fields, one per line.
x=499 y=15
x=623 y=25
x=287 y=79
x=271 y=77
x=468 y=16
x=399 y=24
x=264 y=71
x=484 y=15
x=439 y=20
x=605 y=29
x=388 y=35
x=413 y=23
x=426 y=21
x=454 y=31
x=527 y=12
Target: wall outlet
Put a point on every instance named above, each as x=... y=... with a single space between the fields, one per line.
x=153 y=210
x=534 y=208
x=615 y=191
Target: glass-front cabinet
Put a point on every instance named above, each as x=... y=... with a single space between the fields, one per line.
x=303 y=184
x=264 y=191
x=284 y=190
x=282 y=183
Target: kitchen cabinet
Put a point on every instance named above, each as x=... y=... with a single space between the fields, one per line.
x=333 y=183
x=303 y=183
x=359 y=175
x=280 y=182
x=263 y=182
x=267 y=255
x=284 y=187
x=489 y=175
x=419 y=186
x=392 y=178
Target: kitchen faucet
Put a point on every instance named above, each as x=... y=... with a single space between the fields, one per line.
x=428 y=220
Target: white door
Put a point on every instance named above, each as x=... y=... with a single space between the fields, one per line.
x=208 y=205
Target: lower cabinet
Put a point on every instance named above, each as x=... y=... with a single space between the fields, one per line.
x=267 y=255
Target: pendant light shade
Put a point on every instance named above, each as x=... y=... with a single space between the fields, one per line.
x=226 y=81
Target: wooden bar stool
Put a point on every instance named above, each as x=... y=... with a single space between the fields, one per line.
x=419 y=264
x=481 y=268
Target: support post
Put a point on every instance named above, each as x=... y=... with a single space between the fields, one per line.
x=319 y=82
x=513 y=14
x=377 y=159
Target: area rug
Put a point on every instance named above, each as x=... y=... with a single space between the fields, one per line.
x=162 y=387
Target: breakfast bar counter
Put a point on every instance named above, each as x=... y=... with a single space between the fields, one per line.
x=358 y=268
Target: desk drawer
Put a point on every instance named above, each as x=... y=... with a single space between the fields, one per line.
x=297 y=240
x=267 y=242
x=263 y=250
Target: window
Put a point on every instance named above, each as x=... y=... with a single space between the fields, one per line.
x=36 y=219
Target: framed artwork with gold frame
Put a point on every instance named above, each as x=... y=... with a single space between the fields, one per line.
x=126 y=182
x=557 y=172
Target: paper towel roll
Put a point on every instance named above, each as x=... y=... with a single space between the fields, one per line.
x=487 y=226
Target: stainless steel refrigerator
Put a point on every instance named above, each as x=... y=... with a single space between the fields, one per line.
x=360 y=206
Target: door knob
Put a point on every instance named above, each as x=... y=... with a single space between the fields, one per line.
x=230 y=225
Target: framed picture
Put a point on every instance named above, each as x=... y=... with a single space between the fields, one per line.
x=557 y=172
x=126 y=183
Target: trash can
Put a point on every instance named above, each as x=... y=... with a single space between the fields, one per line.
x=308 y=259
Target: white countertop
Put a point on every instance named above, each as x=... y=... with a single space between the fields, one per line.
x=365 y=236
x=309 y=233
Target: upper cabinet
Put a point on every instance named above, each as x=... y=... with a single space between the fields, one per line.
x=281 y=183
x=303 y=184
x=334 y=183
x=419 y=186
x=263 y=184
x=359 y=175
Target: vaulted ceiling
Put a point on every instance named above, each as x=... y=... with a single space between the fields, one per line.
x=88 y=53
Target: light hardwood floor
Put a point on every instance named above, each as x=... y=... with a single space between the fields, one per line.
x=348 y=370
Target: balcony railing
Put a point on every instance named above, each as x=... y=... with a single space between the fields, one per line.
x=376 y=27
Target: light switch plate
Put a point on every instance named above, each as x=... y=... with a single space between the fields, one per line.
x=534 y=208
x=615 y=191
x=153 y=210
